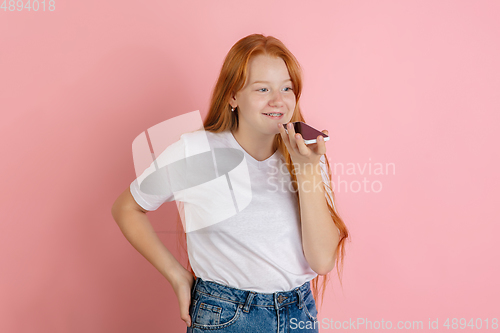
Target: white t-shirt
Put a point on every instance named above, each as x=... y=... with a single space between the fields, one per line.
x=251 y=242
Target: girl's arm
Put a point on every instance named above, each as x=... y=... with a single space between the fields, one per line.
x=320 y=236
x=135 y=226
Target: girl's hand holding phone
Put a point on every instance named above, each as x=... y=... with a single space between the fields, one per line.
x=299 y=151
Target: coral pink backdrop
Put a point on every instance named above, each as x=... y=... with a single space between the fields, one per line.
x=409 y=91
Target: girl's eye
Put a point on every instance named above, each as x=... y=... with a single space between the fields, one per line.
x=289 y=88
x=262 y=89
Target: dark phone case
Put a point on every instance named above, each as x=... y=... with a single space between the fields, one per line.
x=307 y=132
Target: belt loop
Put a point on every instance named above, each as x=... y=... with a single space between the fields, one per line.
x=300 y=299
x=197 y=279
x=248 y=301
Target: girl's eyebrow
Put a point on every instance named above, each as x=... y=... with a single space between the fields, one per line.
x=268 y=81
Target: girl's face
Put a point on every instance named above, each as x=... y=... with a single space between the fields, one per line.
x=267 y=98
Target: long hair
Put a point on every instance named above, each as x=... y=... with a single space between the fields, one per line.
x=232 y=78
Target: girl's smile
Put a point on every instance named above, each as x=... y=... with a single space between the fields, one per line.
x=274 y=115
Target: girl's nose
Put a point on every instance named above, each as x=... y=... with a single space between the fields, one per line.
x=277 y=99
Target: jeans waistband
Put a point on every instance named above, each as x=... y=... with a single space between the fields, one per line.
x=249 y=298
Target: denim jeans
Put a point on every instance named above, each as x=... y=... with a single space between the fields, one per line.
x=218 y=308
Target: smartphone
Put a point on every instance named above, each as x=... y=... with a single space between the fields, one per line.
x=309 y=133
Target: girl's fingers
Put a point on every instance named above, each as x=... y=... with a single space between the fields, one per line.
x=284 y=136
x=301 y=145
x=321 y=145
x=184 y=308
x=291 y=136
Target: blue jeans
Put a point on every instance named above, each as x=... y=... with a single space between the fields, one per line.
x=218 y=308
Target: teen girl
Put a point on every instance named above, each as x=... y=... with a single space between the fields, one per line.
x=252 y=272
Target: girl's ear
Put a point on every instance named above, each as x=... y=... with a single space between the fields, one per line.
x=232 y=101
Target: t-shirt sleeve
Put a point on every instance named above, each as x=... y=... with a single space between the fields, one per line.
x=149 y=202
x=152 y=188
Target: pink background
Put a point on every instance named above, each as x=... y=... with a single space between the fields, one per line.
x=414 y=83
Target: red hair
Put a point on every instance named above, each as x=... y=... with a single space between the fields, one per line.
x=232 y=78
